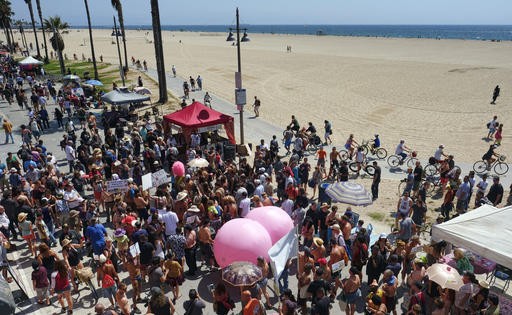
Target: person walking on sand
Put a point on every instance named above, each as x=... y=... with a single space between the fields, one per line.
x=173 y=71
x=199 y=82
x=495 y=94
x=256 y=106
x=328 y=132
x=492 y=127
x=7 y=125
x=208 y=100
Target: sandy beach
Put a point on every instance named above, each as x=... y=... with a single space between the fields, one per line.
x=423 y=90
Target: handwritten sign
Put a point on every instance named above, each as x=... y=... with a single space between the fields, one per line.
x=117 y=186
x=160 y=178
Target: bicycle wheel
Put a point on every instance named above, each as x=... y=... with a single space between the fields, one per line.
x=456 y=167
x=393 y=161
x=500 y=168
x=480 y=167
x=93 y=289
x=370 y=170
x=353 y=167
x=381 y=153
x=365 y=149
x=344 y=155
x=312 y=148
x=401 y=187
x=412 y=162
x=430 y=170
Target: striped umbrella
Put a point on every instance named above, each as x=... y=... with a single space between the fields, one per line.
x=350 y=193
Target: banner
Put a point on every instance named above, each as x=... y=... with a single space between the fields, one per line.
x=117 y=186
x=160 y=178
x=284 y=249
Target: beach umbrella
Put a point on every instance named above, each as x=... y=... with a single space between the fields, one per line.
x=142 y=90
x=198 y=162
x=94 y=82
x=71 y=77
x=350 y=193
x=446 y=276
x=242 y=273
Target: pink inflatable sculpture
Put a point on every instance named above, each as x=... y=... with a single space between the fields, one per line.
x=241 y=240
x=277 y=222
x=178 y=169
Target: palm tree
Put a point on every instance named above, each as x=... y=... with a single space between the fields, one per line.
x=159 y=52
x=40 y=13
x=91 y=40
x=55 y=24
x=119 y=8
x=29 y=3
x=6 y=23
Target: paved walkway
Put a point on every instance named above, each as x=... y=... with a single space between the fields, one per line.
x=256 y=129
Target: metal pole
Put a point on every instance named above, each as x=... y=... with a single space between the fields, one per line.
x=240 y=73
x=119 y=51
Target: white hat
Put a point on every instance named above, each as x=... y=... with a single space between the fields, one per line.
x=193 y=208
x=181 y=195
x=102 y=259
x=115 y=177
x=383 y=235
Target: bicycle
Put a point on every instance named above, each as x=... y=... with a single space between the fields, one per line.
x=432 y=169
x=381 y=153
x=396 y=160
x=499 y=166
x=368 y=168
x=434 y=184
x=85 y=275
x=314 y=143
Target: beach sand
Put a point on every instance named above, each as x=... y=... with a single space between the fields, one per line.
x=423 y=90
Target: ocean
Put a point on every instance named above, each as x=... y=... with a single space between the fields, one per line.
x=467 y=32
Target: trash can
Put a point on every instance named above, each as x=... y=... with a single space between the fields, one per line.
x=322 y=196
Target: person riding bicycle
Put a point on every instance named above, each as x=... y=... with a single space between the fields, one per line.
x=294 y=125
x=350 y=145
x=401 y=150
x=311 y=133
x=376 y=142
x=439 y=154
x=488 y=156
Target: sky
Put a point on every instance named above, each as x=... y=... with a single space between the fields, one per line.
x=222 y=12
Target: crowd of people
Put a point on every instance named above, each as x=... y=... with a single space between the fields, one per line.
x=137 y=241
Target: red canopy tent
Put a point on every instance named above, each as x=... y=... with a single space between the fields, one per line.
x=197 y=115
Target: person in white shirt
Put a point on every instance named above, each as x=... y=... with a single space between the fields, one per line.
x=4 y=222
x=259 y=188
x=245 y=205
x=170 y=220
x=439 y=154
x=287 y=205
x=72 y=197
x=482 y=185
x=401 y=150
x=70 y=155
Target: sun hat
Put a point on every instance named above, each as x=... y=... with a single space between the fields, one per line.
x=102 y=259
x=22 y=216
x=13 y=170
x=484 y=284
x=66 y=242
x=73 y=213
x=193 y=208
x=318 y=241
x=383 y=235
x=181 y=195
x=119 y=232
x=336 y=227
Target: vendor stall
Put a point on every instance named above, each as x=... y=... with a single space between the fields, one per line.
x=196 y=117
x=124 y=103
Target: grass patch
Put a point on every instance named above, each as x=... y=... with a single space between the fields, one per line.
x=377 y=216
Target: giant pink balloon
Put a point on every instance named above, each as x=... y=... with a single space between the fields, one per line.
x=178 y=169
x=241 y=240
x=275 y=220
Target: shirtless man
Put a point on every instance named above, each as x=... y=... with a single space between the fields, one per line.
x=303 y=259
x=351 y=288
x=346 y=229
x=333 y=156
x=206 y=242
x=338 y=254
x=389 y=286
x=262 y=284
x=408 y=256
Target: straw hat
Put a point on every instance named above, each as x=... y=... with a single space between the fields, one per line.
x=73 y=213
x=336 y=227
x=22 y=216
x=324 y=205
x=318 y=241
x=193 y=208
x=13 y=170
x=66 y=242
x=181 y=195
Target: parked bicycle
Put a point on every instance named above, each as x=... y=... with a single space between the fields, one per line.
x=396 y=160
x=434 y=168
x=365 y=166
x=314 y=143
x=368 y=148
x=85 y=275
x=499 y=166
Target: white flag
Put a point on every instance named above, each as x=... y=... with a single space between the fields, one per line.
x=287 y=247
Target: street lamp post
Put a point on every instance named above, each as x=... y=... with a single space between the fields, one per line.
x=240 y=93
x=117 y=33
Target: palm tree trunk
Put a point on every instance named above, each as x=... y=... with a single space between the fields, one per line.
x=121 y=24
x=9 y=44
x=34 y=26
x=95 y=66
x=13 y=46
x=40 y=13
x=159 y=52
x=61 y=62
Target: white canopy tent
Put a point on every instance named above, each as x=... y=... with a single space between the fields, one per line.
x=30 y=61
x=485 y=231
